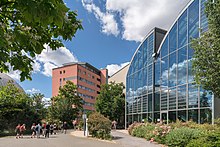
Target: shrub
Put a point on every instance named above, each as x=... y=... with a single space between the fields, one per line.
x=99 y=126
x=131 y=127
x=142 y=130
x=211 y=139
x=179 y=137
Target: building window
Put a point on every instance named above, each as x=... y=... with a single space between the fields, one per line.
x=64 y=71
x=93 y=77
x=64 y=79
x=60 y=82
x=84 y=73
x=79 y=71
x=60 y=72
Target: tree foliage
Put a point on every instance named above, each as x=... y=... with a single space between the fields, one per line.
x=27 y=25
x=111 y=101
x=206 y=62
x=67 y=104
x=15 y=107
x=39 y=105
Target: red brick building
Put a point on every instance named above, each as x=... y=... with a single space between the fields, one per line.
x=87 y=78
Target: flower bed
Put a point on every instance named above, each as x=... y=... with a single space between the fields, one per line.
x=177 y=134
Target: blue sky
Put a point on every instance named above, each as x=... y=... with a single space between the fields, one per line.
x=113 y=29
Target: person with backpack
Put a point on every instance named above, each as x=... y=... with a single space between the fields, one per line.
x=17 y=131
x=47 y=130
x=65 y=127
x=37 y=129
x=22 y=129
x=33 y=130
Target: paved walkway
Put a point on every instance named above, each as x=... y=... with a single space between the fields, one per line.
x=60 y=140
x=121 y=137
x=77 y=139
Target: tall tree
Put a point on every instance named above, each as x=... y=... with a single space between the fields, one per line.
x=15 y=107
x=27 y=25
x=111 y=101
x=68 y=104
x=206 y=62
x=38 y=105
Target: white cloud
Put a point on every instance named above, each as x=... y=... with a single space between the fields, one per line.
x=47 y=71
x=112 y=68
x=33 y=90
x=138 y=17
x=53 y=58
x=46 y=61
x=108 y=23
x=14 y=74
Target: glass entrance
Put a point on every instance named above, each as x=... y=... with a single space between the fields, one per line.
x=164 y=117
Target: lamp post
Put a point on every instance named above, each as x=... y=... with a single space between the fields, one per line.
x=85 y=128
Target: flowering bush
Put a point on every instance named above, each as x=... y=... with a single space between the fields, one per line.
x=99 y=126
x=174 y=134
x=180 y=137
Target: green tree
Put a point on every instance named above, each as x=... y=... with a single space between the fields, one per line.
x=67 y=104
x=38 y=105
x=111 y=102
x=27 y=25
x=15 y=107
x=206 y=62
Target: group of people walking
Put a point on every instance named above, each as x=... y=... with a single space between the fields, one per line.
x=19 y=130
x=45 y=129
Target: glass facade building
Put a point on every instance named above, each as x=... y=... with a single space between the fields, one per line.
x=159 y=82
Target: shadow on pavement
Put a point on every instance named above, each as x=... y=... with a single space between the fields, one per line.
x=116 y=138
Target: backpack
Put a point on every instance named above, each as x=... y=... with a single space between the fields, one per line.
x=36 y=128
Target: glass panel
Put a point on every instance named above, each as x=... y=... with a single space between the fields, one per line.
x=172 y=116
x=157 y=75
x=182 y=97
x=164 y=48
x=157 y=101
x=139 y=83
x=135 y=105
x=205 y=116
x=164 y=98
x=135 y=63
x=164 y=118
x=203 y=19
x=182 y=115
x=182 y=30
x=150 y=117
x=205 y=98
x=139 y=101
x=193 y=20
x=173 y=39
x=144 y=117
x=182 y=65
x=156 y=117
x=150 y=78
x=135 y=85
x=149 y=102
x=140 y=56
x=135 y=118
x=150 y=49
x=192 y=96
x=172 y=98
x=164 y=72
x=129 y=119
x=193 y=115
x=172 y=70
x=144 y=81
x=145 y=45
x=145 y=104
x=190 y=52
